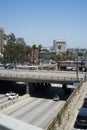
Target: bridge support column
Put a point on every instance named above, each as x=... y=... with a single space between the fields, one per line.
x=27 y=88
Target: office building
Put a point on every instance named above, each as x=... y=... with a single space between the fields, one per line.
x=59 y=46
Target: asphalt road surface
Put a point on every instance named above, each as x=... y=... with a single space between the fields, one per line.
x=38 y=110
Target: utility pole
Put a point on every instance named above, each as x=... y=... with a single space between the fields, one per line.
x=77 y=68
x=58 y=60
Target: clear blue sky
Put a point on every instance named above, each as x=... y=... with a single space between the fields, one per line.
x=42 y=21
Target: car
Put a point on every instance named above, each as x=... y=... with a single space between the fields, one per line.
x=10 y=66
x=8 y=93
x=13 y=96
x=56 y=98
x=85 y=103
x=81 y=119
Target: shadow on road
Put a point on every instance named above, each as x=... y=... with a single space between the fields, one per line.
x=47 y=92
x=50 y=91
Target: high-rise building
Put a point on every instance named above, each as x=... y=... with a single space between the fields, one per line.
x=1 y=39
x=59 y=46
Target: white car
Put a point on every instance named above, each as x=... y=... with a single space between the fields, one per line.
x=13 y=96
x=8 y=93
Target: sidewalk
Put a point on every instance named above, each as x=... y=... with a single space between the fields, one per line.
x=69 y=118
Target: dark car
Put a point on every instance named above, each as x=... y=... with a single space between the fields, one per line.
x=81 y=120
x=9 y=66
x=85 y=102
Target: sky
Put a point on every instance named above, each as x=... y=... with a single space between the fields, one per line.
x=42 y=21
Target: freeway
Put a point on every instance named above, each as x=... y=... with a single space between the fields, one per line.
x=39 y=109
x=38 y=112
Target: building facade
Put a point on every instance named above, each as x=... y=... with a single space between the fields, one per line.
x=34 y=56
x=1 y=39
x=59 y=46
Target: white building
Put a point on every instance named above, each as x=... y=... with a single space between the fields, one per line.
x=59 y=46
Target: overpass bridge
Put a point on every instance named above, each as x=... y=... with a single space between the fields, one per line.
x=26 y=76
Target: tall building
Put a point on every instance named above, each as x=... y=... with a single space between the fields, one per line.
x=59 y=46
x=1 y=39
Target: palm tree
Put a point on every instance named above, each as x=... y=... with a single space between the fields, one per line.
x=59 y=47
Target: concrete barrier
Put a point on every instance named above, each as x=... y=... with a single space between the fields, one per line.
x=11 y=102
x=59 y=118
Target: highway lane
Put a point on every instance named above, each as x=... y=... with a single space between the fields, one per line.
x=3 y=99
x=5 y=102
x=32 y=103
x=37 y=111
x=47 y=116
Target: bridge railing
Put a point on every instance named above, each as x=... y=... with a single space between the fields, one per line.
x=36 y=77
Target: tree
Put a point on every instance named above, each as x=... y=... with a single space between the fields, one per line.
x=16 y=50
x=59 y=47
x=11 y=39
x=21 y=50
x=20 y=41
x=9 y=48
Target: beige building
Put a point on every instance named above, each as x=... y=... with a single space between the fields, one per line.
x=59 y=46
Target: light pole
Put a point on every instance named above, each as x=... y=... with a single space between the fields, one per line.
x=77 y=68
x=58 y=63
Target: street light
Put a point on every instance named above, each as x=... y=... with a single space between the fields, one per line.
x=77 y=68
x=58 y=63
